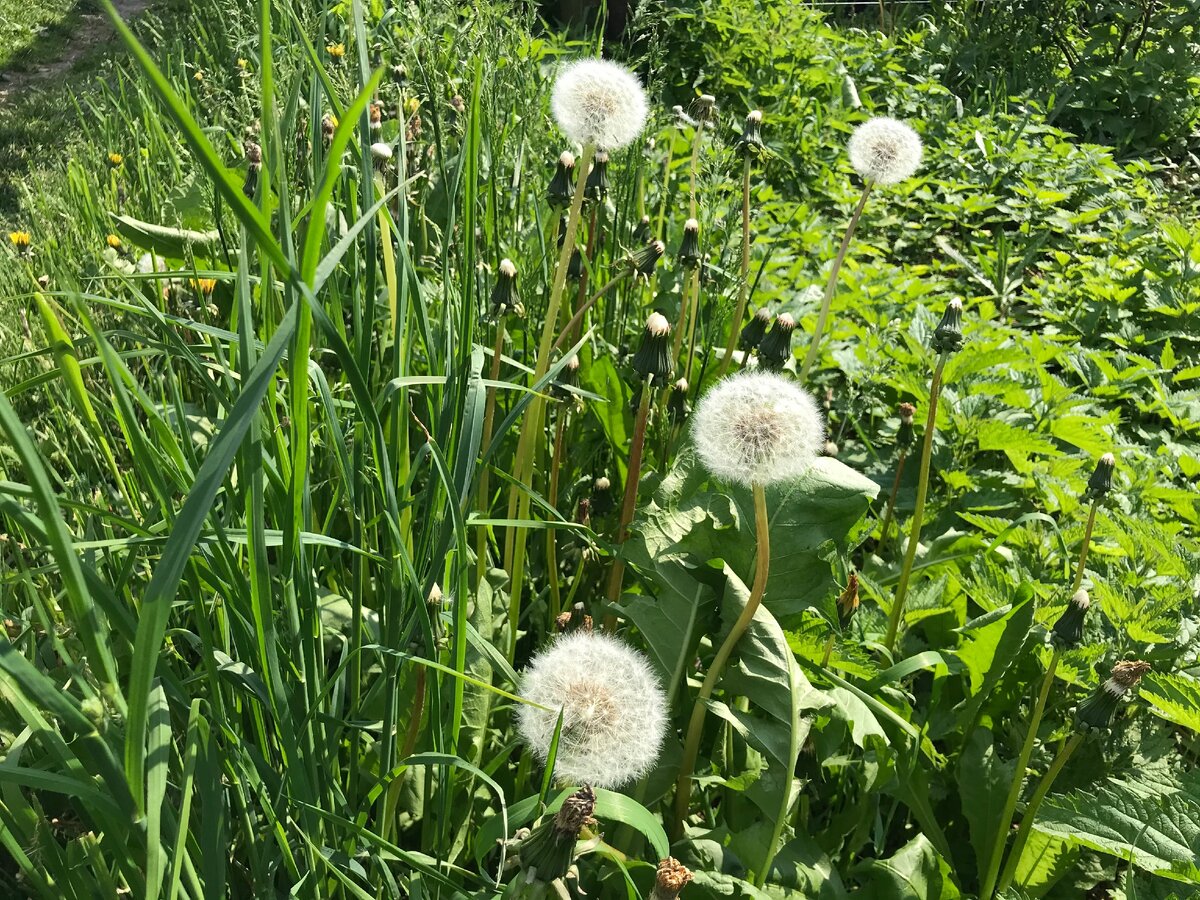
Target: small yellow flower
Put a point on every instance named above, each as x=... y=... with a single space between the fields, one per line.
x=243 y=63
x=198 y=75
x=337 y=51
x=115 y=159
x=113 y=241
x=412 y=105
x=20 y=240
x=204 y=285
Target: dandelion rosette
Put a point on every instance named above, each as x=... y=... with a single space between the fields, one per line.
x=599 y=102
x=885 y=151
x=613 y=709
x=758 y=428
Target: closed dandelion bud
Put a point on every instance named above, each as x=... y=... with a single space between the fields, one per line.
x=376 y=118
x=562 y=185
x=595 y=101
x=847 y=601
x=399 y=73
x=884 y=151
x=752 y=334
x=328 y=127
x=644 y=260
x=905 y=437
x=575 y=266
x=757 y=428
x=1067 y=632
x=750 y=143
x=568 y=377
x=644 y=233
x=776 y=346
x=613 y=709
x=596 y=188
x=504 y=292
x=689 y=247
x=703 y=108
x=1094 y=716
x=602 y=499
x=671 y=877
x=653 y=359
x=948 y=336
x=574 y=619
x=677 y=403
x=1101 y=481
x=381 y=153
x=549 y=851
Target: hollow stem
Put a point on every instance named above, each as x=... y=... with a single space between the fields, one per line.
x=617 y=575
x=573 y=325
x=1083 y=553
x=552 y=533
x=914 y=532
x=691 y=744
x=1035 y=802
x=1018 y=780
x=814 y=346
x=891 y=506
x=485 y=441
x=735 y=324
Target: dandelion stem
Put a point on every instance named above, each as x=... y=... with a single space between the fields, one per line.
x=1018 y=780
x=914 y=532
x=814 y=346
x=891 y=506
x=552 y=533
x=573 y=325
x=485 y=441
x=1083 y=553
x=1031 y=810
x=691 y=744
x=617 y=575
x=735 y=324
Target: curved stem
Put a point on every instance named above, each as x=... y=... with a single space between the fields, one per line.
x=914 y=533
x=1083 y=553
x=891 y=506
x=617 y=575
x=1035 y=802
x=1018 y=780
x=552 y=533
x=485 y=441
x=572 y=325
x=735 y=324
x=691 y=744
x=814 y=346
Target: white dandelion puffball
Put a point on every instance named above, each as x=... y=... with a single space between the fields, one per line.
x=613 y=709
x=885 y=151
x=758 y=428
x=599 y=102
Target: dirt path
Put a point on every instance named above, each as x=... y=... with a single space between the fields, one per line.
x=91 y=30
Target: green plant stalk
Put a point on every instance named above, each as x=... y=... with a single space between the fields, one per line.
x=1035 y=802
x=552 y=533
x=739 y=311
x=523 y=462
x=891 y=506
x=1018 y=780
x=693 y=319
x=914 y=533
x=573 y=325
x=814 y=346
x=1083 y=553
x=691 y=744
x=617 y=575
x=485 y=441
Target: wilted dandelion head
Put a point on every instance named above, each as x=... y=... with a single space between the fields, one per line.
x=599 y=102
x=758 y=428
x=613 y=709
x=885 y=151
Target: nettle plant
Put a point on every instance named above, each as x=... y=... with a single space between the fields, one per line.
x=457 y=516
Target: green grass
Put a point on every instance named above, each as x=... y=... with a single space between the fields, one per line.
x=34 y=32
x=258 y=529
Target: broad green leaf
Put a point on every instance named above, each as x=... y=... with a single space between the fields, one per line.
x=914 y=872
x=990 y=650
x=1045 y=860
x=983 y=782
x=1175 y=698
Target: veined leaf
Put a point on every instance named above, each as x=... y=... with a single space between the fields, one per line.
x=1175 y=698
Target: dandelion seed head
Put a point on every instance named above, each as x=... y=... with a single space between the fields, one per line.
x=885 y=151
x=758 y=428
x=613 y=709
x=596 y=101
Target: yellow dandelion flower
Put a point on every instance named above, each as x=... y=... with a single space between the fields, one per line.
x=204 y=285
x=243 y=63
x=115 y=159
x=20 y=239
x=412 y=105
x=337 y=51
x=113 y=241
x=198 y=75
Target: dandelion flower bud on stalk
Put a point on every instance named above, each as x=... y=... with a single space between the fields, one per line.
x=671 y=878
x=381 y=153
x=776 y=348
x=653 y=359
x=597 y=180
x=596 y=101
x=644 y=260
x=547 y=853
x=884 y=151
x=677 y=403
x=689 y=247
x=1095 y=715
x=613 y=709
x=948 y=336
x=1067 y=632
x=504 y=293
x=562 y=185
x=757 y=428
x=755 y=329
x=905 y=436
x=847 y=601
x=1100 y=483
x=702 y=109
x=751 y=143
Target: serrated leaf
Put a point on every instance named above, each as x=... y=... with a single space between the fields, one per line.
x=1175 y=698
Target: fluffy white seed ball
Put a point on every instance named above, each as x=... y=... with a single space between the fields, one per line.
x=758 y=428
x=600 y=102
x=613 y=709
x=884 y=150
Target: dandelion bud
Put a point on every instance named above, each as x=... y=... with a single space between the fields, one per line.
x=548 y=852
x=599 y=102
x=504 y=292
x=602 y=499
x=562 y=185
x=757 y=428
x=597 y=181
x=328 y=127
x=702 y=108
x=567 y=377
x=750 y=143
x=435 y=595
x=689 y=247
x=948 y=336
x=752 y=334
x=644 y=260
x=653 y=359
x=376 y=118
x=613 y=709
x=904 y=437
x=575 y=266
x=381 y=153
x=574 y=619
x=399 y=73
x=644 y=233
x=847 y=601
x=677 y=402
x=253 y=154
x=1100 y=483
x=1067 y=632
x=1094 y=716
x=884 y=151
x=776 y=347
x=671 y=878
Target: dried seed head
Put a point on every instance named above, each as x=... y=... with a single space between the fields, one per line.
x=599 y=102
x=884 y=151
x=1094 y=716
x=848 y=601
x=671 y=878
